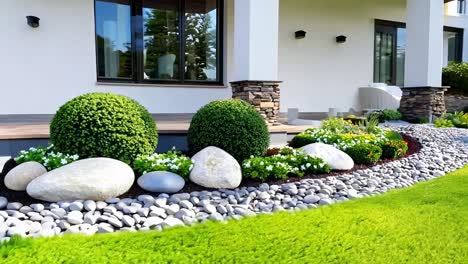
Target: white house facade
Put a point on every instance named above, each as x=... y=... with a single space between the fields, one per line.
x=174 y=56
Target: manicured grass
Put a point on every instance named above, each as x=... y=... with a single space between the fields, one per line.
x=427 y=223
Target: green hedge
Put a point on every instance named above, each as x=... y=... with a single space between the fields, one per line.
x=456 y=76
x=232 y=125
x=104 y=125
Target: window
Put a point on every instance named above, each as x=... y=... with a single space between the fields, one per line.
x=389 y=55
x=159 y=41
x=390 y=47
x=453 y=45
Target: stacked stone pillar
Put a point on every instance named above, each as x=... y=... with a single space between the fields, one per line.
x=423 y=102
x=263 y=95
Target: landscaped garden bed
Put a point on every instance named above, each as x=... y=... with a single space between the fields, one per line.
x=422 y=224
x=228 y=173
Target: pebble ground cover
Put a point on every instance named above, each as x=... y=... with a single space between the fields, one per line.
x=425 y=223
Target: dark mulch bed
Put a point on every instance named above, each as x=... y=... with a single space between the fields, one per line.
x=413 y=147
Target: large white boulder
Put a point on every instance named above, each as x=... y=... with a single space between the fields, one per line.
x=215 y=168
x=89 y=179
x=337 y=159
x=20 y=176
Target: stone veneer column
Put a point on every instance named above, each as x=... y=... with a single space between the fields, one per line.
x=263 y=95
x=422 y=102
x=423 y=95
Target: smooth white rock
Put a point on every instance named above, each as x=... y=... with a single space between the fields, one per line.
x=215 y=168
x=20 y=176
x=105 y=228
x=76 y=206
x=75 y=217
x=14 y=206
x=89 y=179
x=337 y=159
x=89 y=205
x=3 y=202
x=153 y=221
x=172 y=222
x=127 y=220
x=161 y=182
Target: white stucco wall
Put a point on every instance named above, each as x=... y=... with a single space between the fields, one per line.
x=317 y=72
x=43 y=68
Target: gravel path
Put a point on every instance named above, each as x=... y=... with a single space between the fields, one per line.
x=444 y=150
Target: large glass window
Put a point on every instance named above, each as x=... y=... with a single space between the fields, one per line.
x=389 y=56
x=159 y=41
x=113 y=39
x=390 y=46
x=453 y=45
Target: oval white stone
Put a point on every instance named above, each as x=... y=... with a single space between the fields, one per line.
x=215 y=168
x=20 y=176
x=89 y=179
x=337 y=159
x=161 y=182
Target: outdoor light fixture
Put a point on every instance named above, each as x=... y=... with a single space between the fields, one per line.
x=300 y=34
x=341 y=39
x=33 y=21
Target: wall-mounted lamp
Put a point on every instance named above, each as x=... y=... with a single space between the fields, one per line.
x=33 y=21
x=300 y=34
x=341 y=39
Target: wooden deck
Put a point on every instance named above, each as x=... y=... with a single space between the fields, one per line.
x=40 y=130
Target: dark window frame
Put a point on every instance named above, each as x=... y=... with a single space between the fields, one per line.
x=136 y=27
x=461 y=7
x=378 y=24
x=458 y=41
x=382 y=25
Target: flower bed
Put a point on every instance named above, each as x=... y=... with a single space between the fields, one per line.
x=219 y=162
x=443 y=151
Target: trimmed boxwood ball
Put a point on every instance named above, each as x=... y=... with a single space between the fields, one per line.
x=232 y=125
x=104 y=125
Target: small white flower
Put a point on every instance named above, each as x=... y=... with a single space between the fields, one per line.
x=64 y=161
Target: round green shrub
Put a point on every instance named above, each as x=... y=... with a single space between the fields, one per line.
x=364 y=153
x=391 y=114
x=301 y=140
x=393 y=135
x=104 y=125
x=394 y=149
x=232 y=125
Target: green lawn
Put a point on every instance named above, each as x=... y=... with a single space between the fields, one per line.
x=427 y=223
